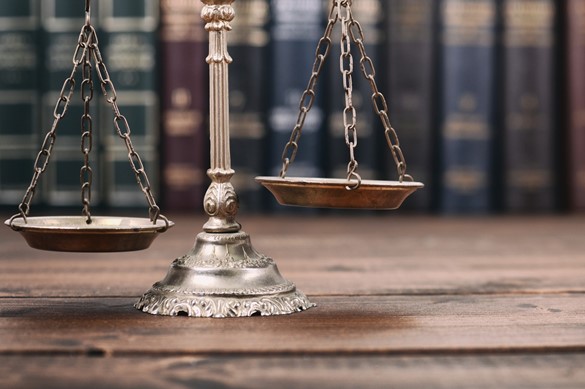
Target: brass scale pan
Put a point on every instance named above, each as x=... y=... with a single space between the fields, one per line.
x=104 y=234
x=334 y=192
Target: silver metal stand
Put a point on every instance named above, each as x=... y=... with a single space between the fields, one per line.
x=222 y=275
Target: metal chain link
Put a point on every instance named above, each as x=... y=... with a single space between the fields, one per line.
x=308 y=97
x=86 y=173
x=87 y=47
x=59 y=111
x=349 y=112
x=351 y=32
x=123 y=130
x=378 y=100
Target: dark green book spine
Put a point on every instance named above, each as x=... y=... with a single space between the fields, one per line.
x=467 y=104
x=128 y=43
x=19 y=99
x=248 y=44
x=61 y=21
x=529 y=99
x=410 y=55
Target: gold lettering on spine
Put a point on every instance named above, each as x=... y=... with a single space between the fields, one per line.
x=528 y=23
x=468 y=22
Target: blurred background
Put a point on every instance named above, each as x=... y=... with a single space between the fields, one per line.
x=487 y=98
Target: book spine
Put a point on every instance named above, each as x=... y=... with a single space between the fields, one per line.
x=128 y=44
x=467 y=108
x=410 y=58
x=576 y=97
x=296 y=27
x=184 y=105
x=61 y=21
x=248 y=47
x=529 y=98
x=19 y=100
x=369 y=130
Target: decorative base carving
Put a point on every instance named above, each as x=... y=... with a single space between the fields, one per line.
x=223 y=276
x=216 y=306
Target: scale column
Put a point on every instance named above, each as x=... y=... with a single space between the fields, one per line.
x=221 y=201
x=222 y=275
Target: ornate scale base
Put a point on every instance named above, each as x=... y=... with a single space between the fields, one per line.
x=223 y=276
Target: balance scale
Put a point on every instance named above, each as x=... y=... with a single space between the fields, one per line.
x=222 y=275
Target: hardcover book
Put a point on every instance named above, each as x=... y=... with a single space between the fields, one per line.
x=410 y=56
x=576 y=108
x=61 y=22
x=19 y=99
x=296 y=27
x=128 y=31
x=467 y=104
x=248 y=45
x=529 y=96
x=184 y=94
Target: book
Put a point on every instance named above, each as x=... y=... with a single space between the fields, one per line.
x=248 y=45
x=411 y=62
x=295 y=28
x=128 y=43
x=61 y=22
x=370 y=132
x=529 y=97
x=19 y=99
x=575 y=86
x=184 y=101
x=467 y=104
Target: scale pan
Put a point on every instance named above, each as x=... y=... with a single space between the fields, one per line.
x=332 y=192
x=104 y=234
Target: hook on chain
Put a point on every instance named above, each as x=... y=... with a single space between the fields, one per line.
x=87 y=13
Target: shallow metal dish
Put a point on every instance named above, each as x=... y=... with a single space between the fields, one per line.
x=104 y=234
x=332 y=192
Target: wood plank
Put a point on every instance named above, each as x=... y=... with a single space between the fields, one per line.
x=339 y=325
x=558 y=371
x=336 y=255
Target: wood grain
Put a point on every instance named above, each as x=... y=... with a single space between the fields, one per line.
x=338 y=325
x=335 y=256
x=414 y=302
x=559 y=371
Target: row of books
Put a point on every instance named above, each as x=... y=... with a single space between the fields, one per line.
x=37 y=43
x=487 y=98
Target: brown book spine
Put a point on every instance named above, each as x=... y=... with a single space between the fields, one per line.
x=529 y=97
x=410 y=54
x=184 y=104
x=576 y=91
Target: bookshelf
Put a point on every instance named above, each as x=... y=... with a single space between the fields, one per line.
x=474 y=136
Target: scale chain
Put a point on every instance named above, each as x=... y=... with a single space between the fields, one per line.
x=308 y=97
x=379 y=102
x=352 y=32
x=86 y=173
x=123 y=130
x=349 y=112
x=59 y=111
x=87 y=47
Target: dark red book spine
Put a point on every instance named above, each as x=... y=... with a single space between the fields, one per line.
x=184 y=92
x=576 y=91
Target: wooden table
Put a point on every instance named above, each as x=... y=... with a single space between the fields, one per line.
x=413 y=302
